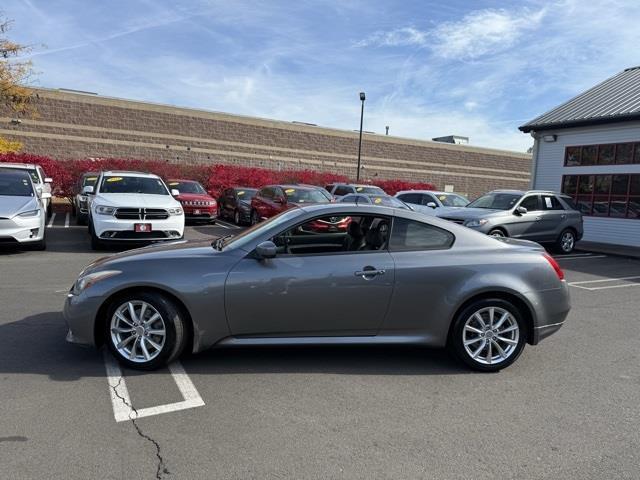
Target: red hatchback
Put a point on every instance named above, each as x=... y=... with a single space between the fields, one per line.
x=196 y=202
x=273 y=199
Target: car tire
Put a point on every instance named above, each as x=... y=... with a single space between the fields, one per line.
x=255 y=218
x=40 y=244
x=140 y=342
x=49 y=209
x=236 y=217
x=80 y=219
x=468 y=336
x=96 y=244
x=566 y=242
x=497 y=232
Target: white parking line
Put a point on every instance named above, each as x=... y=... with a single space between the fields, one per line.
x=581 y=257
x=66 y=221
x=225 y=224
x=53 y=217
x=124 y=410
x=581 y=284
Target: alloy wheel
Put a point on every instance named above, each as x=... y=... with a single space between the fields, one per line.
x=138 y=331
x=497 y=234
x=236 y=217
x=567 y=242
x=490 y=335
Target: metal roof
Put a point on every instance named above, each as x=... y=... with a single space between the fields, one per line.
x=614 y=100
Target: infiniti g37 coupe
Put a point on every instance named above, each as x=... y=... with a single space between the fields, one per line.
x=391 y=277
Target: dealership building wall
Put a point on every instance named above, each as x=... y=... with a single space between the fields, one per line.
x=77 y=125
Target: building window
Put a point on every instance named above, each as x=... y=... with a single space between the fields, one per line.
x=605 y=195
x=605 y=154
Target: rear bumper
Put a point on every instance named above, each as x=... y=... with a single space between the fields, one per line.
x=551 y=310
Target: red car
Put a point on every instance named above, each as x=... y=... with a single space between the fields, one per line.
x=196 y=202
x=273 y=199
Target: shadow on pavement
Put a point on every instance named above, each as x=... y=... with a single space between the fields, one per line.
x=36 y=345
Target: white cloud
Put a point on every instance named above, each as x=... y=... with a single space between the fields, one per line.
x=394 y=38
x=483 y=32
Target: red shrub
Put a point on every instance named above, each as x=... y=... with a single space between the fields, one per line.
x=214 y=178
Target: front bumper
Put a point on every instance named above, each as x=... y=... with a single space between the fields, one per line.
x=22 y=230
x=115 y=229
x=80 y=315
x=194 y=213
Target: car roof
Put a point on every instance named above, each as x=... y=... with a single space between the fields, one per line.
x=130 y=173
x=506 y=190
x=435 y=192
x=28 y=166
x=356 y=185
x=182 y=180
x=292 y=185
x=86 y=174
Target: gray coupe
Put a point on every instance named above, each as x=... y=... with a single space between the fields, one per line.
x=393 y=277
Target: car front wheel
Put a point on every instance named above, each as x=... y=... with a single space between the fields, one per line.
x=255 y=218
x=488 y=335
x=496 y=232
x=145 y=330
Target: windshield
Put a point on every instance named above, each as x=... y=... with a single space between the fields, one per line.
x=144 y=185
x=496 y=201
x=453 y=200
x=371 y=189
x=188 y=187
x=304 y=195
x=15 y=185
x=89 y=181
x=246 y=194
x=255 y=231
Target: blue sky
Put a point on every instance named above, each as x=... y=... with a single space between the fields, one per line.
x=474 y=68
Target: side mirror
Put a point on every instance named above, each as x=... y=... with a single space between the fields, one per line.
x=280 y=200
x=266 y=249
x=432 y=205
x=88 y=190
x=45 y=195
x=175 y=192
x=520 y=211
x=48 y=180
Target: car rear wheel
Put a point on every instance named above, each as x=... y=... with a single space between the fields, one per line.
x=236 y=217
x=145 y=330
x=566 y=241
x=488 y=335
x=496 y=232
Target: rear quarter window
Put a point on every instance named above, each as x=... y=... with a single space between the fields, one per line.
x=410 y=235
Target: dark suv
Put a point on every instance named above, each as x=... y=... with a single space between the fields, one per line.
x=542 y=216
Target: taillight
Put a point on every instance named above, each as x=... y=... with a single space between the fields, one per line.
x=554 y=265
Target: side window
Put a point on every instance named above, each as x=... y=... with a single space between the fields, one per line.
x=550 y=202
x=530 y=203
x=267 y=193
x=409 y=235
x=342 y=190
x=411 y=198
x=335 y=234
x=427 y=198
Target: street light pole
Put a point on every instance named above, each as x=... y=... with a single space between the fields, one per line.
x=362 y=99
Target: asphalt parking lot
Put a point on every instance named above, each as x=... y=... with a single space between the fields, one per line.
x=567 y=408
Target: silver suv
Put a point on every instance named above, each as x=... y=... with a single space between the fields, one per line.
x=538 y=215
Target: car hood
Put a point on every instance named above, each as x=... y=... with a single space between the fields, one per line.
x=136 y=200
x=464 y=213
x=11 y=205
x=194 y=196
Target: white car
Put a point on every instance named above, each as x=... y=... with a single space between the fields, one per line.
x=431 y=202
x=41 y=182
x=132 y=207
x=22 y=212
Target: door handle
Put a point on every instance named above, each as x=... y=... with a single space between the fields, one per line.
x=369 y=272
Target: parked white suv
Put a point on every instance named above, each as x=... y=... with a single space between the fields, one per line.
x=133 y=207
x=41 y=182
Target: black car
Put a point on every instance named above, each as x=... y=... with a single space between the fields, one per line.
x=80 y=205
x=235 y=203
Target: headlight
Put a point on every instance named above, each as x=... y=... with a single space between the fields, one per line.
x=86 y=281
x=476 y=223
x=175 y=211
x=29 y=214
x=104 y=210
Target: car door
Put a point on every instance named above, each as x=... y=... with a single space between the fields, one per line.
x=312 y=290
x=260 y=202
x=527 y=225
x=554 y=218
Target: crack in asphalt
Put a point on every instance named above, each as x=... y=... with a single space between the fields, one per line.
x=161 y=469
